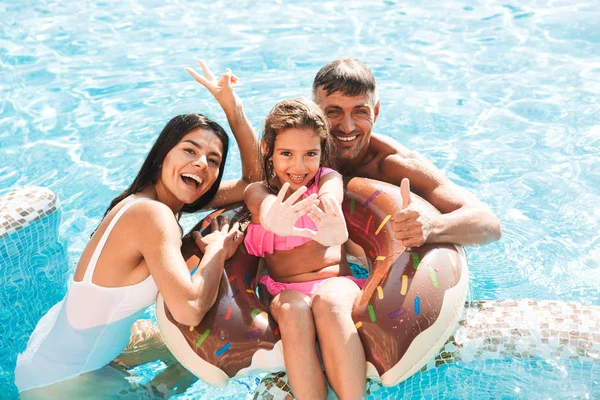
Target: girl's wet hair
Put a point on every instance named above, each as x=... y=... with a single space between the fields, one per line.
x=172 y=134
x=297 y=113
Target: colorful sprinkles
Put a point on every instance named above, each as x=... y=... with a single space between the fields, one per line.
x=223 y=350
x=417 y=305
x=358 y=324
x=397 y=313
x=380 y=292
x=380 y=258
x=191 y=328
x=368 y=224
x=228 y=315
x=433 y=277
x=352 y=206
x=404 y=287
x=370 y=199
x=415 y=259
x=385 y=220
x=203 y=337
x=252 y=334
x=372 y=313
x=235 y=293
x=256 y=311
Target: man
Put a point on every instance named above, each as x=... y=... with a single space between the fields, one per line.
x=346 y=91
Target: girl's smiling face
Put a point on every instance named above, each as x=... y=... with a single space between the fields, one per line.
x=296 y=156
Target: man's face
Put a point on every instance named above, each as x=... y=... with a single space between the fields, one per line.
x=351 y=120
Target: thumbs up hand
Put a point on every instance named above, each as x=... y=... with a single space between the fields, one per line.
x=411 y=225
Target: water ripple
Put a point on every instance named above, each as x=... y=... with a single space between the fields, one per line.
x=502 y=98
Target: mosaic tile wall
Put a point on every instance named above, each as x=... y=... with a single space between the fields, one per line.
x=33 y=270
x=529 y=334
x=21 y=207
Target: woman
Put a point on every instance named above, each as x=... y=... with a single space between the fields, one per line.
x=135 y=251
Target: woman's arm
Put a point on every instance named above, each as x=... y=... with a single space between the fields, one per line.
x=188 y=297
x=231 y=191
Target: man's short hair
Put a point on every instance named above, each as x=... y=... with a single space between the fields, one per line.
x=348 y=76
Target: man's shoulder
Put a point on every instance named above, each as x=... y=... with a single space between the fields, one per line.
x=385 y=147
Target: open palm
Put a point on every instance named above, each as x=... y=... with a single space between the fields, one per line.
x=331 y=225
x=280 y=216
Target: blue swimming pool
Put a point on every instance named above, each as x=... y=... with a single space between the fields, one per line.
x=502 y=96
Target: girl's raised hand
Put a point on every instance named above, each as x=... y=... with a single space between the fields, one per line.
x=279 y=216
x=222 y=88
x=331 y=225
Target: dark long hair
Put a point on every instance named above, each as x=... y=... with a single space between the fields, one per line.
x=172 y=134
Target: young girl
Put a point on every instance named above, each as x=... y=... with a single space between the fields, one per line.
x=302 y=244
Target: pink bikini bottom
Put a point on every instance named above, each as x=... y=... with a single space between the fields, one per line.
x=308 y=287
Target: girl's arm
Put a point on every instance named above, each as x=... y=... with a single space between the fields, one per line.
x=332 y=185
x=328 y=217
x=232 y=191
x=256 y=193
x=188 y=297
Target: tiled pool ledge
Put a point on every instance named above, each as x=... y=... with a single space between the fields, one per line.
x=33 y=270
x=24 y=206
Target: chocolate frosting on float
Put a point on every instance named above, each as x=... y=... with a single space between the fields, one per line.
x=401 y=299
x=237 y=325
x=405 y=290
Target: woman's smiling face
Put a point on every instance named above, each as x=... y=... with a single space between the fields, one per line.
x=190 y=168
x=296 y=156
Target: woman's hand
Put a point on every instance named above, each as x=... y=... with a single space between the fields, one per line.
x=221 y=237
x=279 y=216
x=331 y=225
x=222 y=89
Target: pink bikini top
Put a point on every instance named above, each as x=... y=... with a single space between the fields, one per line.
x=259 y=241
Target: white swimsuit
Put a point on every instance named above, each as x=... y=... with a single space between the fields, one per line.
x=87 y=329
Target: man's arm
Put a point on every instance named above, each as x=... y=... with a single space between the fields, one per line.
x=464 y=219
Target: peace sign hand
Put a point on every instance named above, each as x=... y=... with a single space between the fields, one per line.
x=222 y=88
x=279 y=216
x=331 y=225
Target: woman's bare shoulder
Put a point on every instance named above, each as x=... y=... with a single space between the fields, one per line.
x=150 y=218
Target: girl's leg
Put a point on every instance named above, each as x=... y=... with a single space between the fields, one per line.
x=291 y=311
x=341 y=348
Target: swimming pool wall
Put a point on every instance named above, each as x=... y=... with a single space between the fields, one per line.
x=33 y=269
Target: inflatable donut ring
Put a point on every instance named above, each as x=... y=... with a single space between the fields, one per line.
x=409 y=306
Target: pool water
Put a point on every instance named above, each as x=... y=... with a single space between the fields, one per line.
x=502 y=96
